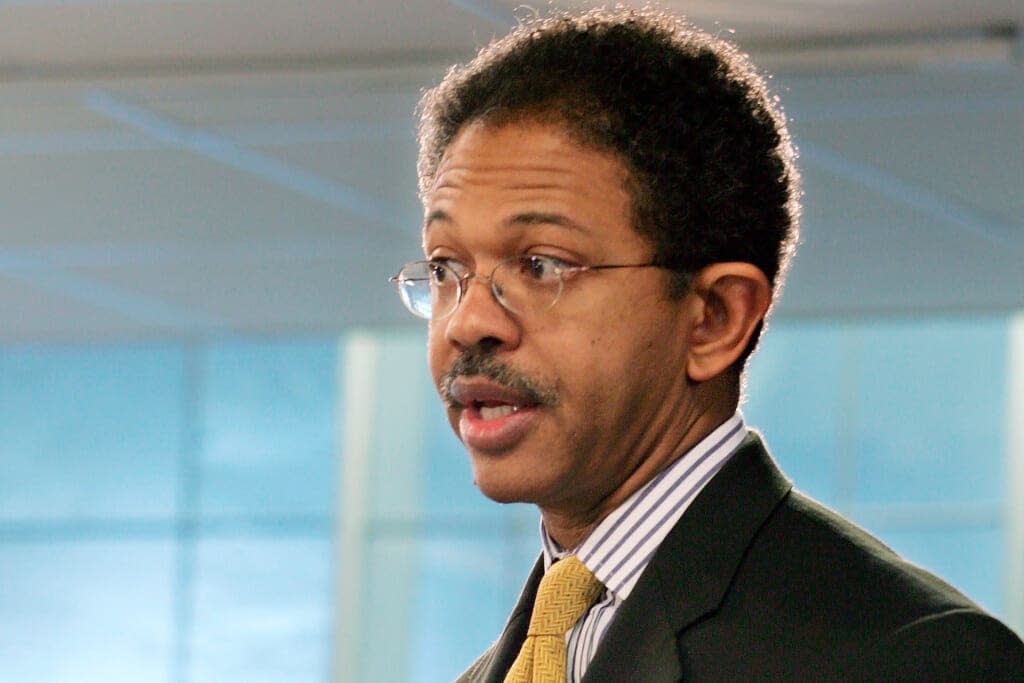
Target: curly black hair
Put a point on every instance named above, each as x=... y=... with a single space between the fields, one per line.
x=711 y=165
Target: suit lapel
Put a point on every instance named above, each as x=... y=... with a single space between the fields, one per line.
x=690 y=574
x=640 y=644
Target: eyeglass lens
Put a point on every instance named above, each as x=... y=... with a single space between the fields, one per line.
x=524 y=285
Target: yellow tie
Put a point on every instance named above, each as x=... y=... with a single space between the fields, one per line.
x=565 y=593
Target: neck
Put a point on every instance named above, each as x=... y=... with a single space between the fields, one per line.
x=570 y=525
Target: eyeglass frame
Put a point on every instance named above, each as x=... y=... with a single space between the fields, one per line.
x=460 y=280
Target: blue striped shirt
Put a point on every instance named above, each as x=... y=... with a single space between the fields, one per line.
x=619 y=548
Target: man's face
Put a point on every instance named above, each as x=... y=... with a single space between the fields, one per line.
x=571 y=407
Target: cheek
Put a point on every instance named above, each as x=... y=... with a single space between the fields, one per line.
x=622 y=364
x=436 y=353
x=594 y=374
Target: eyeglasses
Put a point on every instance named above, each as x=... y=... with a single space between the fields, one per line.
x=525 y=285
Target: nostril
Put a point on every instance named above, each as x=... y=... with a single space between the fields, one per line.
x=489 y=343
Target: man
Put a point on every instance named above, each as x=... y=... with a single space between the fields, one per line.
x=610 y=207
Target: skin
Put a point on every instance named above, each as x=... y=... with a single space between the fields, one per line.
x=634 y=376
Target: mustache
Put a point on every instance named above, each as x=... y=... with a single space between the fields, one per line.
x=474 y=361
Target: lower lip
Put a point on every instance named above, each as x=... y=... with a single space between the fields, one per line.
x=499 y=434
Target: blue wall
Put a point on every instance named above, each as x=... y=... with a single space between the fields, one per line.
x=167 y=511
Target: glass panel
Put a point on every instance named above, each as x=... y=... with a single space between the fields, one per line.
x=930 y=410
x=262 y=611
x=466 y=589
x=269 y=428
x=89 y=432
x=86 y=612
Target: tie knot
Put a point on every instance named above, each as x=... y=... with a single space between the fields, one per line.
x=567 y=590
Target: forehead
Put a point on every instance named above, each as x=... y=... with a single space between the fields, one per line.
x=513 y=165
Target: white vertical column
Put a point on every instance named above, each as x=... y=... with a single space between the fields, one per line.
x=384 y=383
x=1013 y=586
x=357 y=369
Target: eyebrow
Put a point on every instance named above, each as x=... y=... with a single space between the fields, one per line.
x=541 y=217
x=434 y=216
x=524 y=219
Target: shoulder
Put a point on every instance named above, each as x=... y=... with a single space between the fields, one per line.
x=843 y=571
x=956 y=645
x=829 y=592
x=837 y=559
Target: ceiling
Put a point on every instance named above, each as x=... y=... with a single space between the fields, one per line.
x=209 y=167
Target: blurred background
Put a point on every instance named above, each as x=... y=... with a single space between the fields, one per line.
x=220 y=455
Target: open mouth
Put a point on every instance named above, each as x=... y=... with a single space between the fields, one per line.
x=492 y=417
x=489 y=410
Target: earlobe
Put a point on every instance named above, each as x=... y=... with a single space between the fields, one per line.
x=730 y=300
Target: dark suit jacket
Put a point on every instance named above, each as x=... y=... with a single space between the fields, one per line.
x=759 y=583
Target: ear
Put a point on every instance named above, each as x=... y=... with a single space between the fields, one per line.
x=729 y=300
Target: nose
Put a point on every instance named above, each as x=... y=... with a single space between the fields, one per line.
x=481 y=319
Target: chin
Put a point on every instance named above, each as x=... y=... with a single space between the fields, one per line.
x=503 y=496
x=503 y=487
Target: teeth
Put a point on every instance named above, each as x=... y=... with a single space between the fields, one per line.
x=494 y=412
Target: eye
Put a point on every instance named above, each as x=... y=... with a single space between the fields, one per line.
x=438 y=272
x=540 y=269
x=441 y=271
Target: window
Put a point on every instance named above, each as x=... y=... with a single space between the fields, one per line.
x=257 y=510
